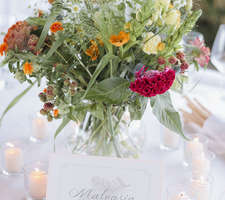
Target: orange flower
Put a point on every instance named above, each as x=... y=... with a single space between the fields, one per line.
x=28 y=68
x=56 y=113
x=93 y=51
x=51 y=1
x=45 y=90
x=56 y=26
x=120 y=39
x=3 y=48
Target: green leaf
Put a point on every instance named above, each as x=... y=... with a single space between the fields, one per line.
x=138 y=107
x=97 y=110
x=164 y=111
x=65 y=121
x=16 y=100
x=110 y=91
x=103 y=63
x=56 y=45
x=45 y=30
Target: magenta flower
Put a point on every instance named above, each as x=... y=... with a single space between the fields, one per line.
x=151 y=83
x=203 y=55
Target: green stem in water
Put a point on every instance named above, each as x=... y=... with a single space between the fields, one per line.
x=109 y=114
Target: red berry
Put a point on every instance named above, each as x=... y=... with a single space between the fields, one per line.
x=172 y=60
x=161 y=61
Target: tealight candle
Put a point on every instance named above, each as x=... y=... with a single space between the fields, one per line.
x=200 y=189
x=13 y=159
x=200 y=166
x=170 y=139
x=39 y=128
x=192 y=148
x=37 y=184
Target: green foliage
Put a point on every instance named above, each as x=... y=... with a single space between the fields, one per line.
x=15 y=101
x=164 y=111
x=137 y=107
x=110 y=91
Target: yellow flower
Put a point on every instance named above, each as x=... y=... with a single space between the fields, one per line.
x=161 y=46
x=171 y=6
x=151 y=43
x=76 y=9
x=173 y=18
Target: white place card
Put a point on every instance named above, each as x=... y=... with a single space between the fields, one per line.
x=73 y=177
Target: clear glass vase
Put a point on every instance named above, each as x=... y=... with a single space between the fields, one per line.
x=128 y=140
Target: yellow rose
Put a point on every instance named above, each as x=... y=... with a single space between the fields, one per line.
x=151 y=43
x=173 y=18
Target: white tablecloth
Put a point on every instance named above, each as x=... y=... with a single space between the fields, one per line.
x=17 y=124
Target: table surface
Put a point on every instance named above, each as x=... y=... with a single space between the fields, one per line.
x=17 y=123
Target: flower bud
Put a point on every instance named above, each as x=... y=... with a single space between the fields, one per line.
x=161 y=60
x=172 y=60
x=20 y=76
x=42 y=97
x=43 y=112
x=48 y=106
x=72 y=92
x=67 y=82
x=49 y=118
x=73 y=85
x=184 y=66
x=180 y=55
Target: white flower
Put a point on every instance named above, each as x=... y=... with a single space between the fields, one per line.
x=151 y=43
x=162 y=4
x=173 y=18
x=189 y=5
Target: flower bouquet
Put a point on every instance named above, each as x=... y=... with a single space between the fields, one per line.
x=102 y=59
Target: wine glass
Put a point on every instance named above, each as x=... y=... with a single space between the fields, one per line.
x=218 y=50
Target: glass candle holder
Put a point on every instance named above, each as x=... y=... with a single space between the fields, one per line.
x=39 y=131
x=201 y=165
x=197 y=144
x=12 y=157
x=178 y=192
x=169 y=140
x=35 y=180
x=201 y=189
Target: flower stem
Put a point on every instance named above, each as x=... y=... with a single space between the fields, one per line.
x=112 y=131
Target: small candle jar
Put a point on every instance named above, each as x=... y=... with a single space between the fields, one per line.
x=12 y=156
x=39 y=132
x=36 y=176
x=201 y=189
x=201 y=165
x=169 y=140
x=194 y=147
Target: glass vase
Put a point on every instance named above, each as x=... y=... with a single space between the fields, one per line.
x=89 y=138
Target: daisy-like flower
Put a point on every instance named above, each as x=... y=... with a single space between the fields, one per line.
x=120 y=39
x=56 y=26
x=28 y=68
x=93 y=51
x=3 y=48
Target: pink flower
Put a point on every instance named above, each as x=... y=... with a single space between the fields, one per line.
x=203 y=57
x=153 y=82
